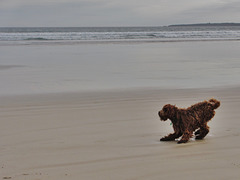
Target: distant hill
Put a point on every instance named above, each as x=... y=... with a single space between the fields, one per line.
x=207 y=24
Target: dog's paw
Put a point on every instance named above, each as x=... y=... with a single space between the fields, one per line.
x=182 y=141
x=163 y=139
x=167 y=139
x=199 y=137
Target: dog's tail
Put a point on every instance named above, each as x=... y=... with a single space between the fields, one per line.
x=215 y=103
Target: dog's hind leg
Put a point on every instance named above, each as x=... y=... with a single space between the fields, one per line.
x=197 y=132
x=202 y=132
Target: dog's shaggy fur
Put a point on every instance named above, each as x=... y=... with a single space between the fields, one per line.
x=186 y=121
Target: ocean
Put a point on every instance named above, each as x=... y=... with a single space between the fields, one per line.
x=70 y=59
x=120 y=33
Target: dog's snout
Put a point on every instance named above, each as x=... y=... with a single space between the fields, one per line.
x=162 y=116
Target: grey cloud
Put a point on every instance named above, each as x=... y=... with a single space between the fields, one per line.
x=218 y=12
x=67 y=14
x=116 y=13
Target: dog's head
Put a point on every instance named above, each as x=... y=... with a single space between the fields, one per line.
x=166 y=112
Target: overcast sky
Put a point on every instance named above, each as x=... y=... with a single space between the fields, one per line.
x=116 y=12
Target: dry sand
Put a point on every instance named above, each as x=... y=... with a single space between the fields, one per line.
x=115 y=135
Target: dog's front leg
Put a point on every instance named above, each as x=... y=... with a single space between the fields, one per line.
x=171 y=137
x=186 y=136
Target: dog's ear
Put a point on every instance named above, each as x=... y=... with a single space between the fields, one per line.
x=166 y=108
x=171 y=110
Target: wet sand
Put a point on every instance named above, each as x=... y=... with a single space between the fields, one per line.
x=115 y=135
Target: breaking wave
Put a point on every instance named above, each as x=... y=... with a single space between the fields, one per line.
x=121 y=33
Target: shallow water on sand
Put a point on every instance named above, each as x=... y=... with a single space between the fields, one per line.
x=29 y=68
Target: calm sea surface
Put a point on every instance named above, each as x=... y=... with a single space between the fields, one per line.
x=48 y=60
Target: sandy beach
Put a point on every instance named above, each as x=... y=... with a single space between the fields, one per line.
x=89 y=111
x=115 y=135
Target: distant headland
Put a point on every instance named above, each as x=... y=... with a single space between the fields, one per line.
x=207 y=24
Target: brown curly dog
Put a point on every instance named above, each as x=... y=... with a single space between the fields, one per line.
x=186 y=121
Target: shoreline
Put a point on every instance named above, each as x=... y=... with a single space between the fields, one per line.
x=136 y=91
x=115 y=41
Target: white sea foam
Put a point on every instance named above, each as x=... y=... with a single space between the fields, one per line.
x=121 y=33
